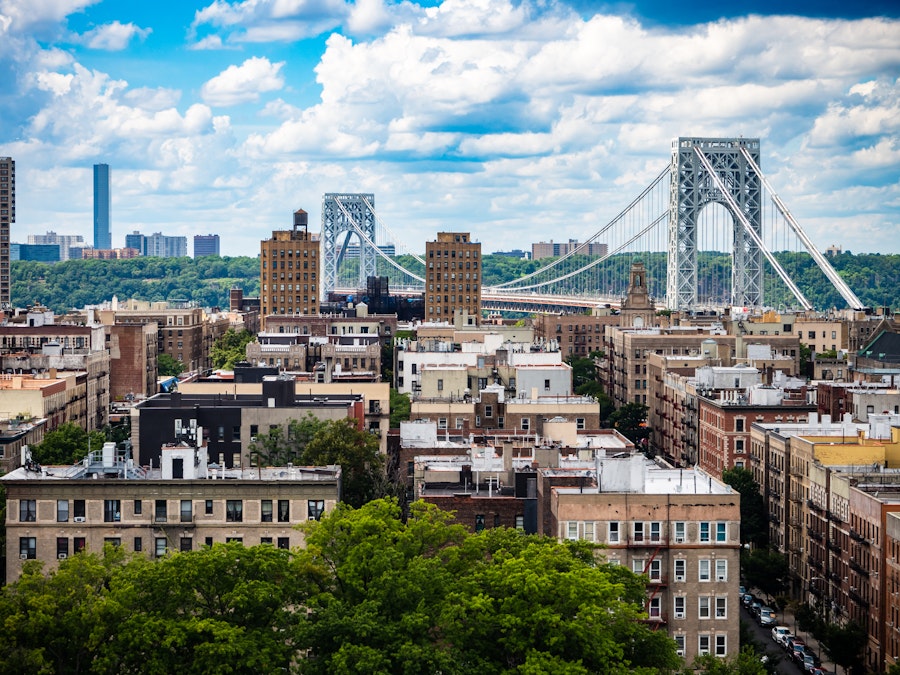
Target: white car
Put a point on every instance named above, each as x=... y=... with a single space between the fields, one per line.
x=781 y=633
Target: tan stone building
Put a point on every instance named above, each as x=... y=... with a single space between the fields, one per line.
x=453 y=282
x=289 y=271
x=55 y=512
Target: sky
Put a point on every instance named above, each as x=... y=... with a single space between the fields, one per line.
x=515 y=121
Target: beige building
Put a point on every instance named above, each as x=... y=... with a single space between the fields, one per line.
x=289 y=271
x=454 y=277
x=680 y=528
x=55 y=512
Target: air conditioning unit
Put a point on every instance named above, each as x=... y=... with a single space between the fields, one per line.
x=253 y=439
x=23 y=556
x=62 y=556
x=679 y=577
x=311 y=518
x=721 y=578
x=680 y=652
x=679 y=540
x=79 y=519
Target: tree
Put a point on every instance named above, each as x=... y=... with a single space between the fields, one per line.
x=631 y=421
x=425 y=596
x=167 y=366
x=67 y=444
x=230 y=348
x=766 y=569
x=745 y=662
x=754 y=515
x=400 y=408
x=844 y=645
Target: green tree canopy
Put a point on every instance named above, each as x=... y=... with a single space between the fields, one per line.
x=167 y=366
x=754 y=514
x=400 y=408
x=230 y=348
x=67 y=444
x=631 y=421
x=766 y=569
x=313 y=442
x=424 y=596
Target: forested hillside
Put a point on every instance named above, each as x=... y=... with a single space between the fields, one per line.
x=874 y=278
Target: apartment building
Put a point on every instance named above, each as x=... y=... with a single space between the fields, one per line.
x=181 y=505
x=289 y=271
x=453 y=281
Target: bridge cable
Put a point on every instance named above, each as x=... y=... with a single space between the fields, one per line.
x=388 y=230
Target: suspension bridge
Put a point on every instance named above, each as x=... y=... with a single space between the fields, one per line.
x=710 y=230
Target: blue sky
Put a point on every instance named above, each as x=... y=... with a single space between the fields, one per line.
x=516 y=121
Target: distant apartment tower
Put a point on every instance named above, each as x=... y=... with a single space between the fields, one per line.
x=288 y=271
x=7 y=217
x=157 y=245
x=554 y=249
x=454 y=277
x=66 y=242
x=206 y=244
x=102 y=227
x=35 y=252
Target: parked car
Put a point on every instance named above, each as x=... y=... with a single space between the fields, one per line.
x=810 y=662
x=755 y=606
x=746 y=599
x=780 y=634
x=791 y=642
x=766 y=616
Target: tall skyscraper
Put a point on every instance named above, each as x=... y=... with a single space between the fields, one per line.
x=206 y=244
x=7 y=217
x=102 y=226
x=454 y=272
x=290 y=258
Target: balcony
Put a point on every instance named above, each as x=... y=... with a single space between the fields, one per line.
x=859 y=569
x=812 y=505
x=858 y=599
x=856 y=536
x=815 y=535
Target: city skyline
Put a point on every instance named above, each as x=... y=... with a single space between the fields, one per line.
x=460 y=116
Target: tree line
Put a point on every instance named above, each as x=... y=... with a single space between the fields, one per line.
x=875 y=278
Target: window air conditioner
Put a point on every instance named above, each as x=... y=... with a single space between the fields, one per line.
x=679 y=540
x=23 y=556
x=721 y=578
x=62 y=556
x=79 y=519
x=680 y=652
x=679 y=577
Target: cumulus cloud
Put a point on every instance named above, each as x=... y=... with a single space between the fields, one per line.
x=243 y=83
x=19 y=15
x=267 y=20
x=114 y=36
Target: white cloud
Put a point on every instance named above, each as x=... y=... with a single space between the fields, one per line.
x=243 y=83
x=267 y=20
x=114 y=36
x=19 y=15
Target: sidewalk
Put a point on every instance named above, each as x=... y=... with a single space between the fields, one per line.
x=788 y=619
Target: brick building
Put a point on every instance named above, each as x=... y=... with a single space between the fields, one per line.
x=289 y=271
x=454 y=277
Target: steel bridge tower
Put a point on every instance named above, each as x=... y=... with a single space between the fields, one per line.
x=348 y=214
x=693 y=186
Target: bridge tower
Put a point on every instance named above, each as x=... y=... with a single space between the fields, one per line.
x=345 y=215
x=692 y=187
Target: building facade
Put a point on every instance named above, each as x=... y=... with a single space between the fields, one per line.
x=206 y=244
x=454 y=277
x=7 y=217
x=289 y=271
x=102 y=199
x=55 y=512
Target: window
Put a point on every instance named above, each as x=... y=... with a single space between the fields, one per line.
x=655 y=571
x=721 y=531
x=284 y=510
x=588 y=533
x=111 y=511
x=638 y=531
x=654 y=607
x=703 y=569
x=159 y=511
x=637 y=566
x=138 y=507
x=721 y=570
x=526 y=423
x=613 y=535
x=520 y=522
x=721 y=645
x=112 y=541
x=739 y=446
x=78 y=511
x=721 y=608
x=265 y=540
x=546 y=385
x=488 y=411
x=704 y=531
x=209 y=507
x=442 y=423
x=679 y=644
x=62 y=510
x=185 y=544
x=440 y=384
x=27 y=510
x=27 y=548
x=138 y=544
x=159 y=549
x=579 y=423
x=680 y=603
x=703 y=608
x=572 y=529
x=680 y=569
x=208 y=541
x=315 y=508
x=479 y=522
x=680 y=537
x=266 y=511
x=234 y=511
x=79 y=544
x=284 y=542
x=656 y=531
x=187 y=510
x=739 y=424
x=703 y=644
